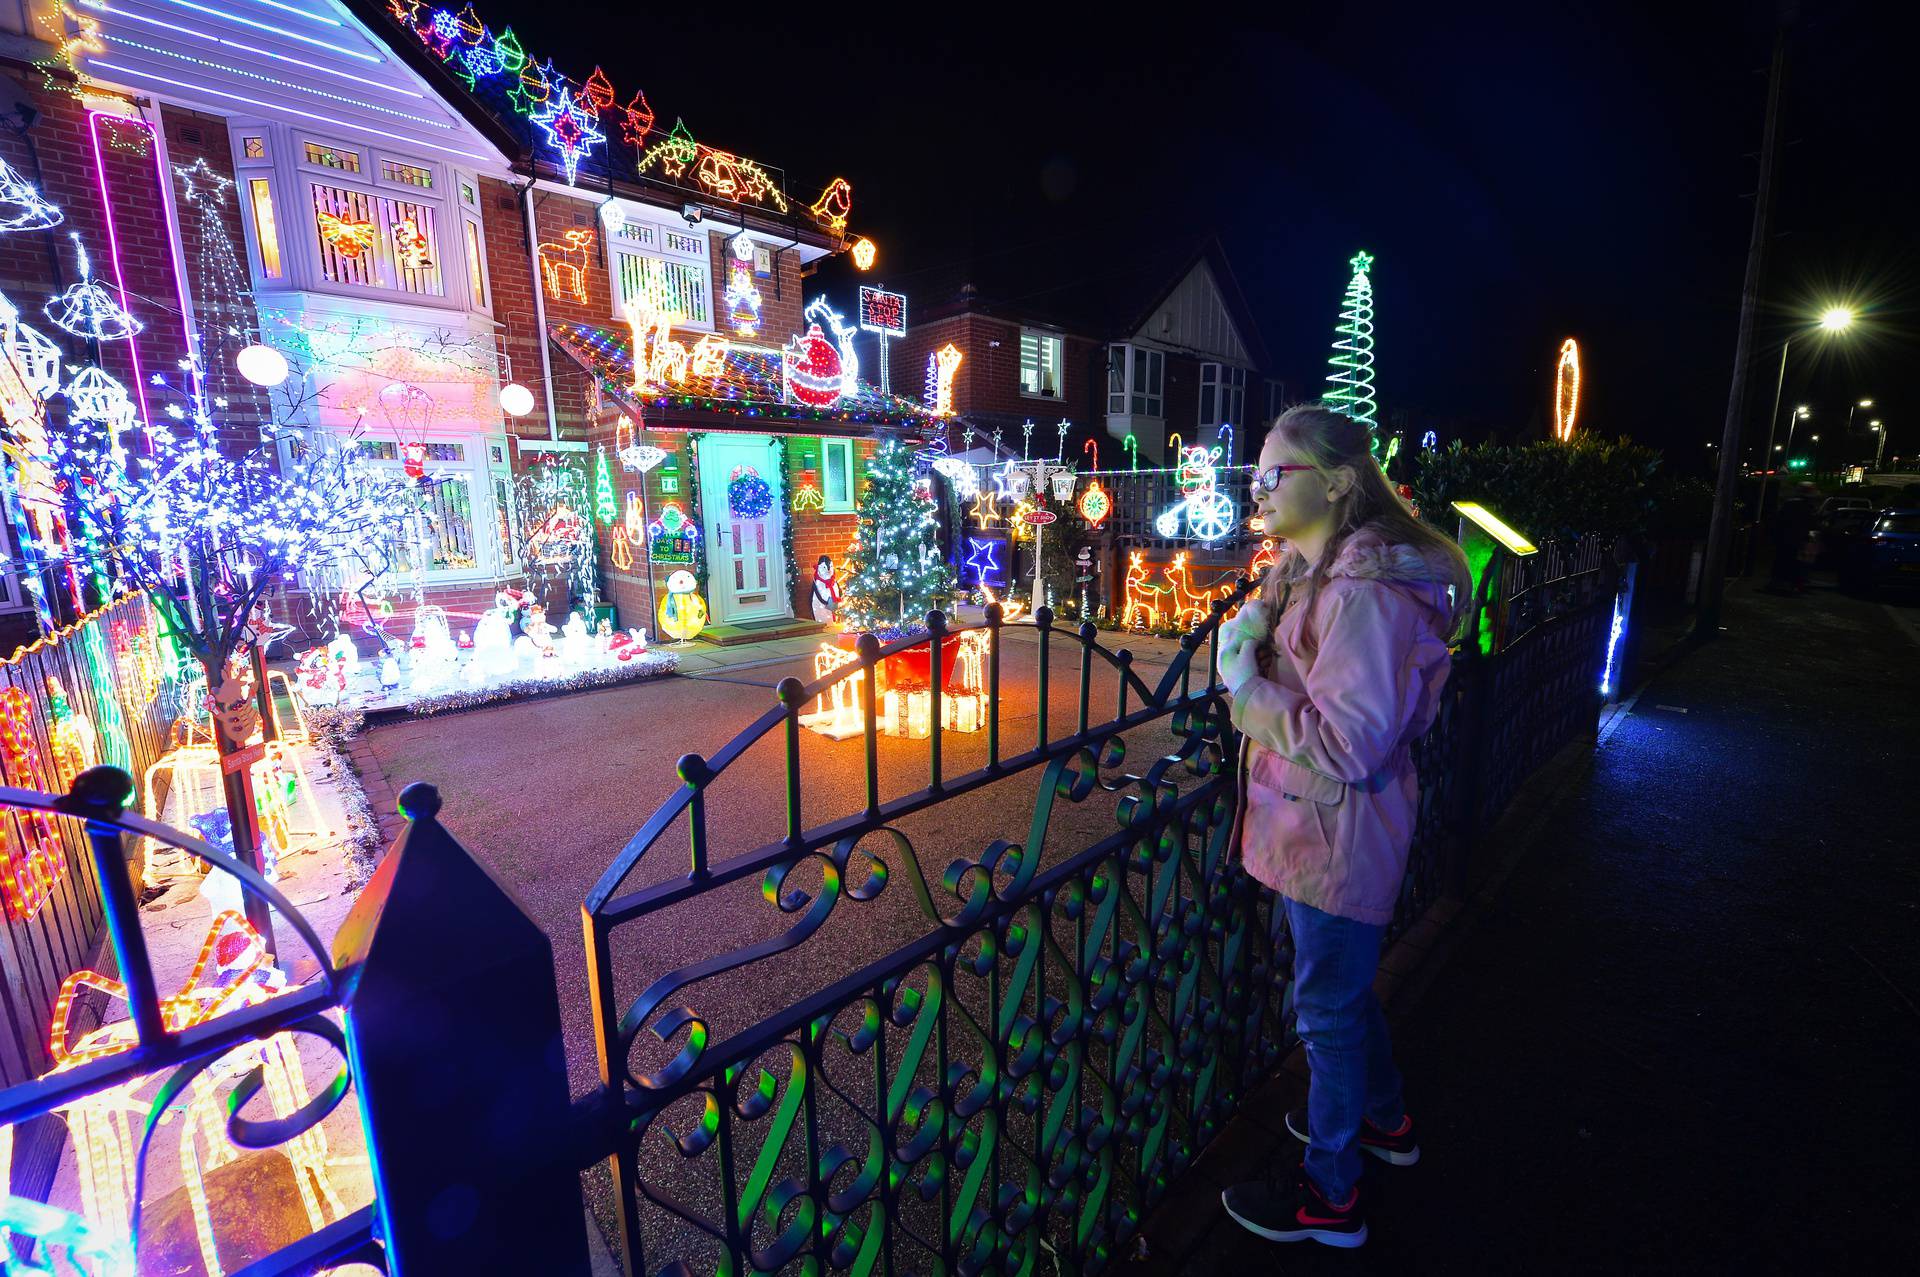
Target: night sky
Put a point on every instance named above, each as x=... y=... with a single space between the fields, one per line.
x=1519 y=178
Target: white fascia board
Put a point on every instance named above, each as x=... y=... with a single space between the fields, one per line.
x=668 y=215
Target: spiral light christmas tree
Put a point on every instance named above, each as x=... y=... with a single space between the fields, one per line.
x=1350 y=375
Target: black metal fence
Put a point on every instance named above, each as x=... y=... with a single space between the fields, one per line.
x=1011 y=1081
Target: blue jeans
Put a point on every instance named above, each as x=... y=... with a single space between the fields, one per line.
x=1348 y=1055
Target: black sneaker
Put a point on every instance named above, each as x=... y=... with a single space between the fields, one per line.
x=1293 y=1210
x=1396 y=1148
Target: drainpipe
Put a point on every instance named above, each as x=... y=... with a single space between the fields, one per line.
x=539 y=307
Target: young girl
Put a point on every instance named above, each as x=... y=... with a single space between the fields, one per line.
x=1335 y=669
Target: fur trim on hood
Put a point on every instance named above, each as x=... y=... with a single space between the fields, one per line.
x=1366 y=555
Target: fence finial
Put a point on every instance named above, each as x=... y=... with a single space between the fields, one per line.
x=419 y=801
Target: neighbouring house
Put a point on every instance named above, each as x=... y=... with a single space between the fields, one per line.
x=1140 y=351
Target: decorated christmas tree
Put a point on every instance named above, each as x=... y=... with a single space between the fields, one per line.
x=895 y=574
x=1350 y=370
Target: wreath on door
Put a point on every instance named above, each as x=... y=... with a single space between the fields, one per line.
x=748 y=496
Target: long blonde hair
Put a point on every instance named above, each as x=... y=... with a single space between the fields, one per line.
x=1326 y=439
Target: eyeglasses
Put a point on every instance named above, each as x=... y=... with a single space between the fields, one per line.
x=1269 y=479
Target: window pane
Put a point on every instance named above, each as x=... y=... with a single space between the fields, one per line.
x=503 y=512
x=1116 y=379
x=838 y=486
x=1206 y=402
x=328 y=157
x=676 y=288
x=375 y=241
x=254 y=148
x=476 y=277
x=452 y=506
x=260 y=198
x=410 y=174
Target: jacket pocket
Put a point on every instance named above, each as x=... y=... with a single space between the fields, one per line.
x=1295 y=781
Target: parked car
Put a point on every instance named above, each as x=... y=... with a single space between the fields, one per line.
x=1842 y=532
x=1833 y=505
x=1888 y=556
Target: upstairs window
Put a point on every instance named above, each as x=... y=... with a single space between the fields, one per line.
x=666 y=267
x=1145 y=383
x=1040 y=365
x=1223 y=395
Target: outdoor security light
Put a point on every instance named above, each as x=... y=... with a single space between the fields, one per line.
x=1836 y=318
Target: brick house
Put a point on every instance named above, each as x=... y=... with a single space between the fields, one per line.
x=351 y=184
x=1155 y=344
x=699 y=258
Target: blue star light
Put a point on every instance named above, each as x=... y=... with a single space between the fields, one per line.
x=980 y=559
x=571 y=129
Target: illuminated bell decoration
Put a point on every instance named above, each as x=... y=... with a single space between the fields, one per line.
x=265 y=366
x=683 y=613
x=1095 y=504
x=87 y=310
x=863 y=253
x=345 y=236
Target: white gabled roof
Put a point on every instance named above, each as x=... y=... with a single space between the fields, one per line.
x=1195 y=317
x=308 y=63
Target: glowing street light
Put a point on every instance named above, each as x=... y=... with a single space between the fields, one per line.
x=1834 y=319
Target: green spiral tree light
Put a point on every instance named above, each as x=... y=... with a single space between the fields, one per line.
x=1350 y=376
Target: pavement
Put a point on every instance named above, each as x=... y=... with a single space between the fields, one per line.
x=1676 y=1028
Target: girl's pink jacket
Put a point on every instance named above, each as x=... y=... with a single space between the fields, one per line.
x=1328 y=791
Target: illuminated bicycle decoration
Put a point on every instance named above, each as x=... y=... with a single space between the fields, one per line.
x=1209 y=513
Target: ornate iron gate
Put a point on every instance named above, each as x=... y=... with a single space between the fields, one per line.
x=1017 y=1085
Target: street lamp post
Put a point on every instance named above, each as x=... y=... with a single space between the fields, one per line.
x=1864 y=403
x=1880 y=450
x=1786 y=453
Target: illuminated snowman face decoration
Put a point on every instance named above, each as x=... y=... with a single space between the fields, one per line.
x=682 y=582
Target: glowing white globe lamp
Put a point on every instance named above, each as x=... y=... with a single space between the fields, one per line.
x=515 y=399
x=261 y=365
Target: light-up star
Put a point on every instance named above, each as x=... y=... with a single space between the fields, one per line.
x=571 y=129
x=985 y=507
x=1361 y=261
x=980 y=560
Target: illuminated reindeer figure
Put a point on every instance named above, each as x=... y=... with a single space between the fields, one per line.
x=564 y=266
x=1142 y=610
x=1190 y=607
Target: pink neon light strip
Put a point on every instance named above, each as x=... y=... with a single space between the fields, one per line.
x=113 y=244
x=177 y=257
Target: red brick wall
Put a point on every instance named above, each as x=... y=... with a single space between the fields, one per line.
x=37 y=264
x=780 y=302
x=815 y=532
x=510 y=279
x=989 y=376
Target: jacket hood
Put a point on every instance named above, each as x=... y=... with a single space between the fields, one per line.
x=1367 y=555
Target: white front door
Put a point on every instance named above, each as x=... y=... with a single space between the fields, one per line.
x=747 y=573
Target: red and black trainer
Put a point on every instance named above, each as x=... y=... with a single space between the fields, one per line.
x=1396 y=1147
x=1293 y=1209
